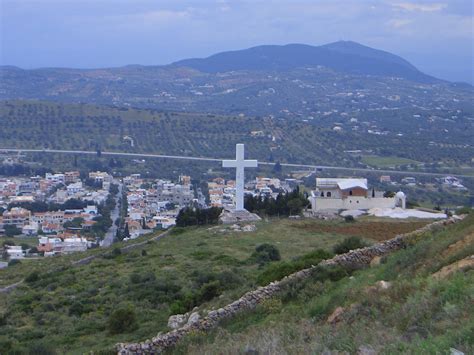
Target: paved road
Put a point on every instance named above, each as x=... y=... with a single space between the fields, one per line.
x=182 y=157
x=109 y=238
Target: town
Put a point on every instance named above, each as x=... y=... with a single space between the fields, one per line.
x=63 y=213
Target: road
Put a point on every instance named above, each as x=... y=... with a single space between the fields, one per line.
x=182 y=157
x=109 y=238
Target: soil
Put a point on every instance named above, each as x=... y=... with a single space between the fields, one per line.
x=374 y=230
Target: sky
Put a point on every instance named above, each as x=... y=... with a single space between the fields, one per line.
x=436 y=36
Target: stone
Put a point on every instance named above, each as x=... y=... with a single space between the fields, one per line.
x=375 y=261
x=194 y=318
x=383 y=285
x=249 y=228
x=336 y=316
x=231 y=216
x=366 y=350
x=176 y=321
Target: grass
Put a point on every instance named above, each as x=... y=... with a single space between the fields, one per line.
x=386 y=162
x=68 y=308
x=416 y=315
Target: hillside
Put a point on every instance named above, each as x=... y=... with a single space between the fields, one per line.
x=295 y=81
x=68 y=309
x=415 y=301
x=45 y=125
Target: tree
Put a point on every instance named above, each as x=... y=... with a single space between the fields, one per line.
x=126 y=232
x=11 y=230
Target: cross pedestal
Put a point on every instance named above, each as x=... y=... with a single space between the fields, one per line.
x=239 y=164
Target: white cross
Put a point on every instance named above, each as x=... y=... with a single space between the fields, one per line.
x=239 y=164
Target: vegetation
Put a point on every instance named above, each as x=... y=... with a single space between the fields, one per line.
x=190 y=216
x=284 y=205
x=29 y=124
x=265 y=253
x=70 y=308
x=348 y=244
x=414 y=313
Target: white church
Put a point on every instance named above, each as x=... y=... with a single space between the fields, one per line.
x=333 y=195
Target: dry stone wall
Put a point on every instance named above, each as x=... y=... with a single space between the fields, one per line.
x=250 y=300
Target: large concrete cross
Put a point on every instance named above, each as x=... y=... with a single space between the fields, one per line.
x=239 y=164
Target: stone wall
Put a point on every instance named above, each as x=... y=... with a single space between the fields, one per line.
x=250 y=300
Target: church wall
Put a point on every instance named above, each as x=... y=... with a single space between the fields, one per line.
x=351 y=203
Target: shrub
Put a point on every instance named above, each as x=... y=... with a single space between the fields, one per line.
x=464 y=210
x=135 y=278
x=277 y=271
x=229 y=279
x=41 y=348
x=116 y=252
x=208 y=291
x=14 y=262
x=265 y=253
x=349 y=219
x=349 y=244
x=122 y=320
x=32 y=277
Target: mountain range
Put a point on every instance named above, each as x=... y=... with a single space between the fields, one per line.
x=290 y=81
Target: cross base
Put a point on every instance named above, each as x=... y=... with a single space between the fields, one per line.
x=231 y=216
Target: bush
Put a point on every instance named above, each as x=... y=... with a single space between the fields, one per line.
x=265 y=253
x=116 y=252
x=464 y=210
x=209 y=290
x=14 y=262
x=32 y=277
x=41 y=348
x=349 y=244
x=277 y=271
x=122 y=320
x=349 y=218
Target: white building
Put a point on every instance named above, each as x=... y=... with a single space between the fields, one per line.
x=74 y=188
x=56 y=178
x=15 y=252
x=333 y=195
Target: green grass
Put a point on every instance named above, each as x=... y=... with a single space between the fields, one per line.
x=387 y=162
x=69 y=307
x=416 y=315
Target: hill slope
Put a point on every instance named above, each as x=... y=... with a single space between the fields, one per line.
x=68 y=309
x=418 y=300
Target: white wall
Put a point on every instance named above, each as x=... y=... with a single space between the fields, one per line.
x=351 y=203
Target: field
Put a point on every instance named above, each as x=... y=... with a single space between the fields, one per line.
x=387 y=162
x=68 y=309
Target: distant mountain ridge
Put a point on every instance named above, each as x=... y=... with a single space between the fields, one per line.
x=343 y=56
x=295 y=81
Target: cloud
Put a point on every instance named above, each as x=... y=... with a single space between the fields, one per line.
x=399 y=23
x=411 y=6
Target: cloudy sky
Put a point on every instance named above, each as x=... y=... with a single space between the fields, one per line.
x=436 y=36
